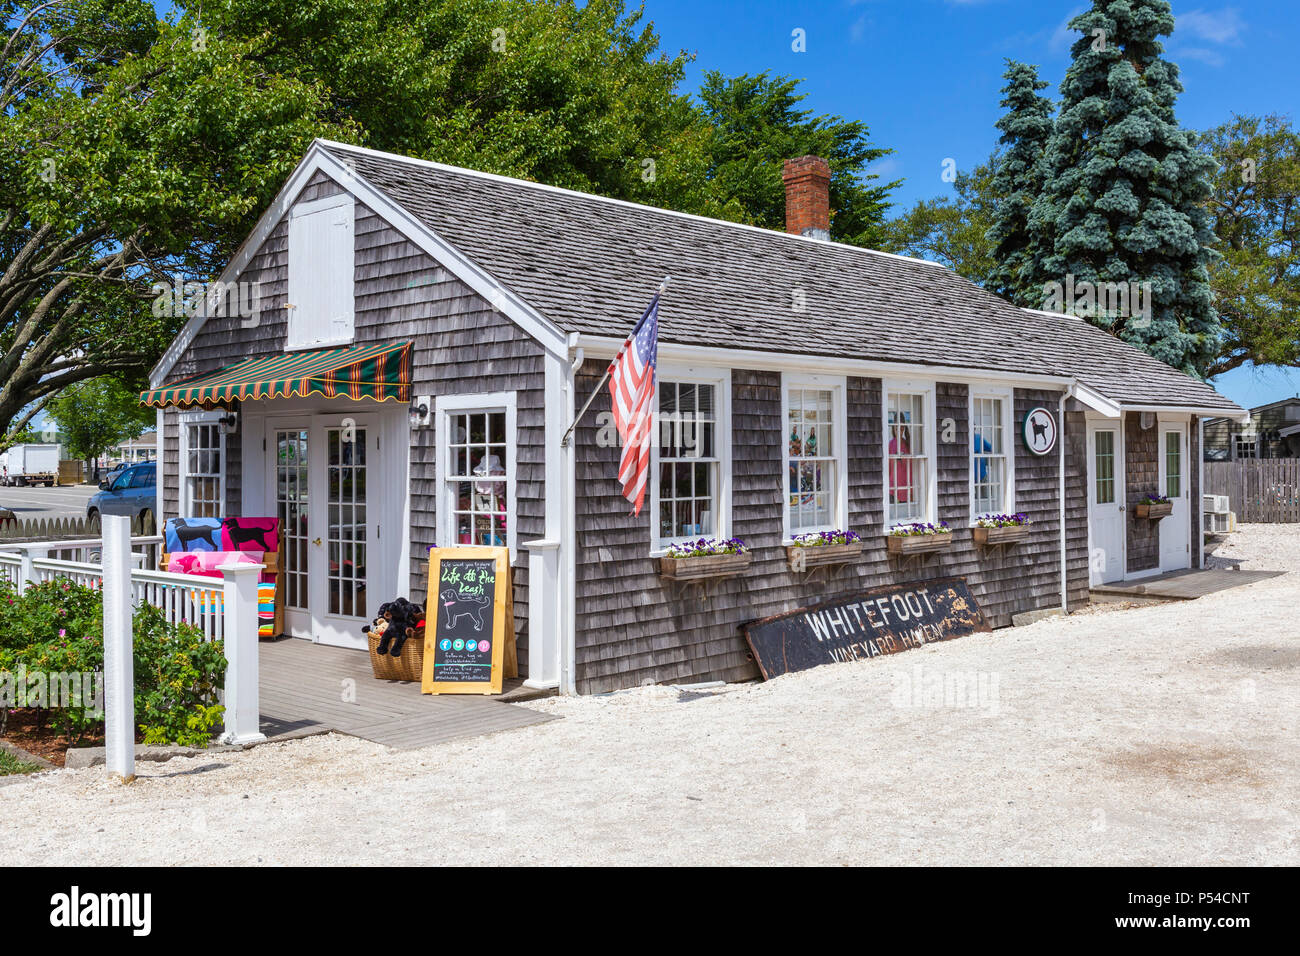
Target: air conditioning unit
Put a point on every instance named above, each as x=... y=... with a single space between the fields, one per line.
x=1218 y=523
x=1216 y=504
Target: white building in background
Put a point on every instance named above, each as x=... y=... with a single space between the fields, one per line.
x=144 y=448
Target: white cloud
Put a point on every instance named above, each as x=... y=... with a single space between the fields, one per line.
x=1211 y=26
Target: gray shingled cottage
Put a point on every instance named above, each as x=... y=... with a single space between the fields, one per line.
x=487 y=309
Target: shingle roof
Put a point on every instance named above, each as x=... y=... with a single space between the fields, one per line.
x=590 y=264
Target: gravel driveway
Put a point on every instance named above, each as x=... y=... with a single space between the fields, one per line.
x=1153 y=735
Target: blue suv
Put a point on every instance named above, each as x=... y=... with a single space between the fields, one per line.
x=132 y=492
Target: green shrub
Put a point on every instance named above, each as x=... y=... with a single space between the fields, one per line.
x=45 y=610
x=57 y=627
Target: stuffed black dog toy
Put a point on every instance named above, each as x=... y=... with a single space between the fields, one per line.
x=397 y=622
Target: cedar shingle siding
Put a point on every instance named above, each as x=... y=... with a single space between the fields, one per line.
x=634 y=627
x=461 y=346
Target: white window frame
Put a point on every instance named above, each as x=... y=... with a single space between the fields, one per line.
x=1007 y=397
x=299 y=274
x=444 y=407
x=187 y=419
x=837 y=386
x=720 y=379
x=926 y=389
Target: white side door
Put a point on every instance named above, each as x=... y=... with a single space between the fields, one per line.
x=1175 y=530
x=1106 y=516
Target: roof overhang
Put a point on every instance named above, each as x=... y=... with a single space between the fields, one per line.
x=1289 y=431
x=1203 y=411
x=1095 y=400
x=601 y=346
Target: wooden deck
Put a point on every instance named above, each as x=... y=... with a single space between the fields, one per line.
x=307 y=686
x=1178 y=585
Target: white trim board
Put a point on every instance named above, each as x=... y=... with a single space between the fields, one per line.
x=319 y=159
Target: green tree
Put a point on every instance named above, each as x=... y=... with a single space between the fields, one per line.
x=136 y=150
x=953 y=230
x=99 y=413
x=1256 y=209
x=756 y=125
x=1125 y=187
x=131 y=149
x=1026 y=127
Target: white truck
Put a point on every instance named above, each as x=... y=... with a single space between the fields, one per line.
x=24 y=465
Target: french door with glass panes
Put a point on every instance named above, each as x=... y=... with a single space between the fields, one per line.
x=323 y=468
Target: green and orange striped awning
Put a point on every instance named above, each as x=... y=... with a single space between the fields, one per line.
x=380 y=372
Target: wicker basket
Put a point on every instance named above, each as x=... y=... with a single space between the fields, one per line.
x=408 y=667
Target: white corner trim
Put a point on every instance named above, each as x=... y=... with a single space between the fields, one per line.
x=319 y=159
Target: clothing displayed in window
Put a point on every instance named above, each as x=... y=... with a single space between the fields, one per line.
x=900 y=472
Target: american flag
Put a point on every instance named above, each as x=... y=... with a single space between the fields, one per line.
x=632 y=394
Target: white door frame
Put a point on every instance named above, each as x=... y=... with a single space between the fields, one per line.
x=343 y=629
x=389 y=564
x=1117 y=426
x=1178 y=524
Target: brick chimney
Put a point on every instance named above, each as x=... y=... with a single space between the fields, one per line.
x=808 y=197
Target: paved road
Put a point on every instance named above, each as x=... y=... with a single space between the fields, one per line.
x=58 y=502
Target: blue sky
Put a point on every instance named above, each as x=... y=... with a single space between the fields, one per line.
x=924 y=75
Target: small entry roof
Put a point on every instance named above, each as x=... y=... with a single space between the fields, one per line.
x=380 y=372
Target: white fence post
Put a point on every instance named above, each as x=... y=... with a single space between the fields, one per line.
x=119 y=677
x=243 y=719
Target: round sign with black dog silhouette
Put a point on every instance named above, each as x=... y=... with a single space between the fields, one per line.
x=1040 y=431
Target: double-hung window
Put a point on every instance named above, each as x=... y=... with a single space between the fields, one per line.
x=690 y=472
x=909 y=454
x=203 y=453
x=992 y=461
x=814 y=430
x=476 y=445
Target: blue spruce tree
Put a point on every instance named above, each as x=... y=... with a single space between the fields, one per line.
x=1017 y=181
x=1123 y=200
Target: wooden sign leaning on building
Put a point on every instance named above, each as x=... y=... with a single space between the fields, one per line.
x=469 y=635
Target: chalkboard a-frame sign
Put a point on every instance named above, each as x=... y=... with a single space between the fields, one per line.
x=470 y=618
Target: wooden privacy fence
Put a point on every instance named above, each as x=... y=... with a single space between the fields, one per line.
x=1264 y=490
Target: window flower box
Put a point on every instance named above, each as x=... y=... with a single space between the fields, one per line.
x=919 y=538
x=705 y=558
x=1006 y=535
x=823 y=549
x=1154 y=507
x=1001 y=529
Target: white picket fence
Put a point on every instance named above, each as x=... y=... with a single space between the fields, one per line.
x=182 y=598
x=223 y=609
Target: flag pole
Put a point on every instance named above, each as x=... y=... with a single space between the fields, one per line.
x=564 y=442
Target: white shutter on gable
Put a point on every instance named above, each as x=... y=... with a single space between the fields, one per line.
x=321 y=267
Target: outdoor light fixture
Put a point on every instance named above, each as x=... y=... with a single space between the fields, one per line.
x=229 y=423
x=419 y=413
x=1148 y=420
